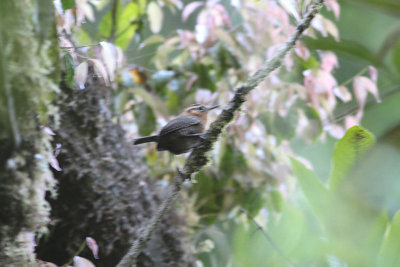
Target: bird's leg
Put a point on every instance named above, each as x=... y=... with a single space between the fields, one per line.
x=181 y=174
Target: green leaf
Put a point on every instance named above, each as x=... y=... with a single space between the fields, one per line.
x=125 y=27
x=310 y=63
x=288 y=232
x=376 y=232
x=389 y=254
x=232 y=161
x=69 y=69
x=153 y=101
x=390 y=6
x=396 y=57
x=83 y=36
x=316 y=193
x=105 y=24
x=173 y=100
x=343 y=47
x=276 y=200
x=68 y=4
x=204 y=79
x=145 y=119
x=250 y=199
x=347 y=151
x=209 y=196
x=224 y=60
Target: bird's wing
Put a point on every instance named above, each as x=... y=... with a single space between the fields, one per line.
x=179 y=123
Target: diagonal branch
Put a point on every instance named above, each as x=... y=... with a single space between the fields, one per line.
x=198 y=158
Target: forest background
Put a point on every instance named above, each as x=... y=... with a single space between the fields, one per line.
x=307 y=173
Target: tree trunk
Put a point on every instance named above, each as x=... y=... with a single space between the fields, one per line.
x=104 y=189
x=27 y=83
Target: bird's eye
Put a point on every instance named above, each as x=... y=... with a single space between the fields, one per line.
x=201 y=108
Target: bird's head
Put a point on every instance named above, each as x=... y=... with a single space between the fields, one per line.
x=198 y=110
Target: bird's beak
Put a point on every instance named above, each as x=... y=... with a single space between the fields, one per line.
x=212 y=107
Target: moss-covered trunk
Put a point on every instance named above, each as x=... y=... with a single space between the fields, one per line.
x=28 y=81
x=104 y=189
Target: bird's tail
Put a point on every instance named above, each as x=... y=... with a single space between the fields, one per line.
x=146 y=139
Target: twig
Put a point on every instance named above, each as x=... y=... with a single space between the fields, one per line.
x=349 y=80
x=369 y=103
x=80 y=46
x=130 y=258
x=198 y=158
x=113 y=20
x=80 y=249
x=267 y=236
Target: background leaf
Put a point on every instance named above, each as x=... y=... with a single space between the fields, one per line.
x=389 y=254
x=67 y=4
x=347 y=151
x=69 y=69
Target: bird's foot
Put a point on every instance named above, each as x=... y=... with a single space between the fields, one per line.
x=181 y=174
x=204 y=136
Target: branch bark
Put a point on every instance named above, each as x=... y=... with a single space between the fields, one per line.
x=198 y=158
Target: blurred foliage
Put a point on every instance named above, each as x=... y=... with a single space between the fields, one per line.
x=324 y=203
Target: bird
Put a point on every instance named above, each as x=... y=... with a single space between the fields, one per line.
x=183 y=133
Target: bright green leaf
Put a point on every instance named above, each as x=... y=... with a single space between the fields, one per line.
x=67 y=4
x=310 y=63
x=106 y=22
x=126 y=25
x=347 y=150
x=84 y=37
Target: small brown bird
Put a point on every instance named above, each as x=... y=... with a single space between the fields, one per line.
x=182 y=133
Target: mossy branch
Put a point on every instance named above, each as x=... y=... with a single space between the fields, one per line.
x=198 y=158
